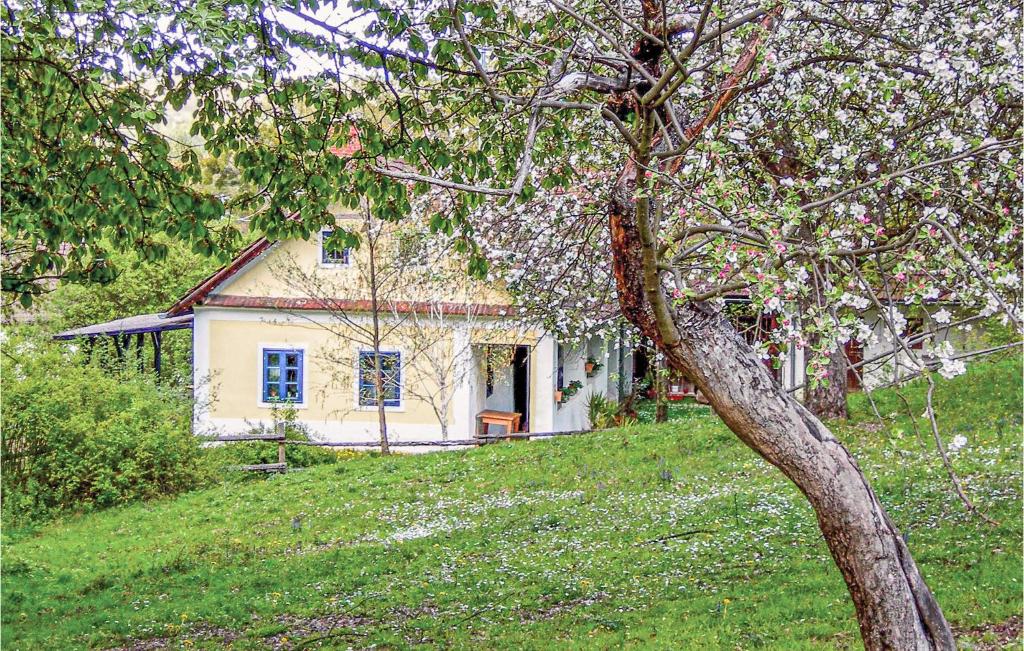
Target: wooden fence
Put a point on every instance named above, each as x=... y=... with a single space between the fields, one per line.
x=279 y=436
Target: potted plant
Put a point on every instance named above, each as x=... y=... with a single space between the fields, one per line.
x=568 y=391
x=592 y=366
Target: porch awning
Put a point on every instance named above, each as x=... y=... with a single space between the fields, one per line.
x=130 y=325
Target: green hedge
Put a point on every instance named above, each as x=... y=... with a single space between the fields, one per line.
x=79 y=436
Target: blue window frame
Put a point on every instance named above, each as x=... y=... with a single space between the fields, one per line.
x=282 y=375
x=391 y=376
x=329 y=255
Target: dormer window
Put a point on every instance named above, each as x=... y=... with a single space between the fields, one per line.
x=332 y=255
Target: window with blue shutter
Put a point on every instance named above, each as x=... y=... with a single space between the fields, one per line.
x=282 y=375
x=391 y=379
x=329 y=254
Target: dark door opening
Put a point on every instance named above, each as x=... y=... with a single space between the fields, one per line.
x=521 y=385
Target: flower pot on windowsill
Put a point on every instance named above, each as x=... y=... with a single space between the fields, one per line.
x=558 y=396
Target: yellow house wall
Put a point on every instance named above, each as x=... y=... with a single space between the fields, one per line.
x=285 y=271
x=235 y=367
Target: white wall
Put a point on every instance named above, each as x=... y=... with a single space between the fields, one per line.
x=900 y=365
x=464 y=396
x=542 y=385
x=470 y=390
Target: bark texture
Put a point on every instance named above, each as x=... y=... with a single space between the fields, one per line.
x=895 y=608
x=826 y=401
x=829 y=401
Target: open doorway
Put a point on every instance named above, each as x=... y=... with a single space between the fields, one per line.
x=521 y=385
x=504 y=380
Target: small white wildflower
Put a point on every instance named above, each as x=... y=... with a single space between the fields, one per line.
x=958 y=442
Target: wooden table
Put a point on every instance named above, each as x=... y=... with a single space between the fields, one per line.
x=487 y=417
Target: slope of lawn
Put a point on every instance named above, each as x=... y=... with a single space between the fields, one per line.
x=669 y=536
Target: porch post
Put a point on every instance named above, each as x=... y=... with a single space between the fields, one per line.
x=139 y=357
x=542 y=385
x=156 y=353
x=463 y=419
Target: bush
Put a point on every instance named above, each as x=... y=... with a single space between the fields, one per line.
x=297 y=456
x=81 y=436
x=604 y=412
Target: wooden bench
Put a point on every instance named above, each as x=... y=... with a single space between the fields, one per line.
x=488 y=417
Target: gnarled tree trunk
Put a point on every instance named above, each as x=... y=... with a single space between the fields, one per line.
x=895 y=608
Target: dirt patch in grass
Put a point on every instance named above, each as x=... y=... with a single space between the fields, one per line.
x=559 y=607
x=304 y=631
x=200 y=631
x=992 y=637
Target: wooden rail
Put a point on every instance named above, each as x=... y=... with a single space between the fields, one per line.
x=277 y=435
x=282 y=466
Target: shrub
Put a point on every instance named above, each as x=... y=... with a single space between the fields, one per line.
x=81 y=436
x=297 y=456
x=604 y=412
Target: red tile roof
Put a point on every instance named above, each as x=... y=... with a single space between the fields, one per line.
x=203 y=289
x=356 y=305
x=350 y=147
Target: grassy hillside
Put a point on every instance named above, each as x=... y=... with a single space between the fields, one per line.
x=671 y=536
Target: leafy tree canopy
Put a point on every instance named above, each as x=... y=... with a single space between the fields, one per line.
x=858 y=147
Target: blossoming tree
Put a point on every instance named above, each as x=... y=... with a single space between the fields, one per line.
x=820 y=158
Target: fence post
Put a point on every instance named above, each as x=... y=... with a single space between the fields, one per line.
x=280 y=442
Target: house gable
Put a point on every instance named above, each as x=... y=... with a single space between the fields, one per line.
x=292 y=275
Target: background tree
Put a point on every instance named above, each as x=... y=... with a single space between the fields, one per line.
x=364 y=324
x=405 y=288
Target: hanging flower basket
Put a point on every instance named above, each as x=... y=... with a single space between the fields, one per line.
x=592 y=366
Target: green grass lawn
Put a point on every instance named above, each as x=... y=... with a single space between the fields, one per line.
x=669 y=536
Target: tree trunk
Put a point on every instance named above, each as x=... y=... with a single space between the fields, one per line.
x=828 y=401
x=442 y=415
x=895 y=608
x=382 y=421
x=660 y=369
x=378 y=379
